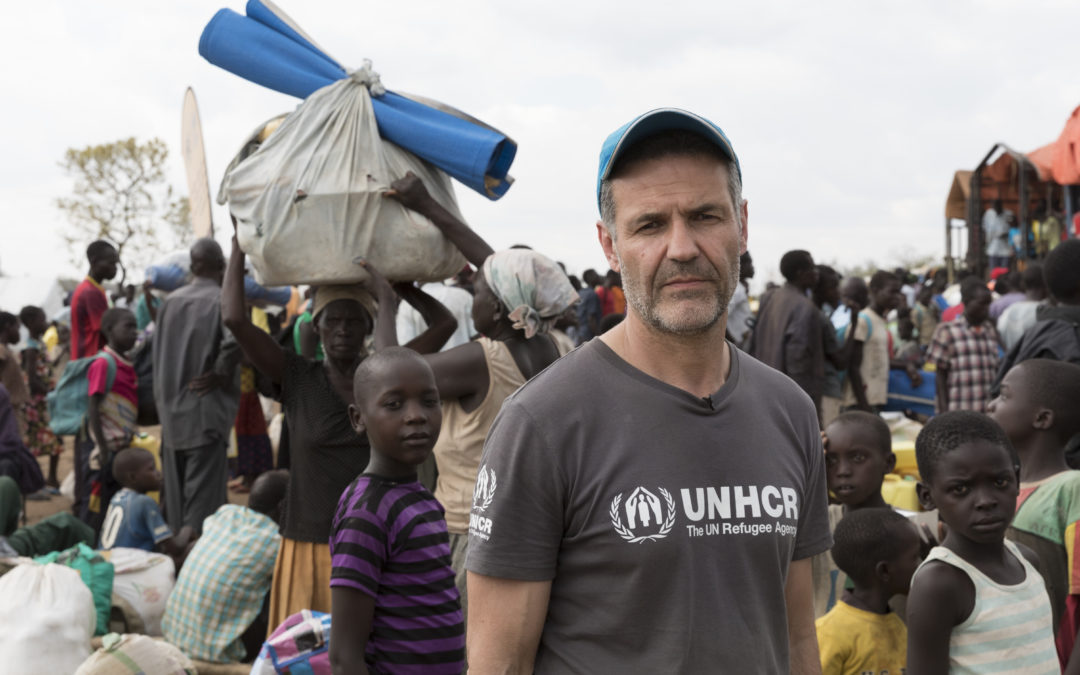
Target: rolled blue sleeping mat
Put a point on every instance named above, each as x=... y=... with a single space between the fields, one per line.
x=278 y=295
x=166 y=278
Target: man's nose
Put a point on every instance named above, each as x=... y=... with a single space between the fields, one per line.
x=681 y=242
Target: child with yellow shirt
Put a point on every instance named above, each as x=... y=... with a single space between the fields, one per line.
x=878 y=549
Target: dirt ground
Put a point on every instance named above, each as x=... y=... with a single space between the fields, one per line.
x=36 y=510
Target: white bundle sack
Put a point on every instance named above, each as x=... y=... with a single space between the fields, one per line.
x=143 y=582
x=123 y=654
x=47 y=615
x=309 y=201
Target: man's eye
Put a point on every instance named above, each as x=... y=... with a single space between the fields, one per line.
x=859 y=458
x=392 y=405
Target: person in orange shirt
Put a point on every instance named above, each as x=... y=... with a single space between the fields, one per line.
x=611 y=294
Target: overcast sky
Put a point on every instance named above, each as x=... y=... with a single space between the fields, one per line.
x=849 y=118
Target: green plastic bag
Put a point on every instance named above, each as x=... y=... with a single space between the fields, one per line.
x=96 y=572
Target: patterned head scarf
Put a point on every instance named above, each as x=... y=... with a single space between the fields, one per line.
x=532 y=287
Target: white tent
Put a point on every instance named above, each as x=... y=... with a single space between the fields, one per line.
x=45 y=292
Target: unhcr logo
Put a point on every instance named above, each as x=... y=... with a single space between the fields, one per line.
x=483 y=494
x=484 y=491
x=647 y=518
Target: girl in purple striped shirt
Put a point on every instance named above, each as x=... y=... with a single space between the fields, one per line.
x=395 y=606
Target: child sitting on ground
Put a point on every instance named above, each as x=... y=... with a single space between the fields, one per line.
x=392 y=583
x=110 y=415
x=858 y=454
x=133 y=519
x=879 y=550
x=977 y=604
x=219 y=608
x=1038 y=407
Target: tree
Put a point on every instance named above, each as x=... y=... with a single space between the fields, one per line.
x=121 y=195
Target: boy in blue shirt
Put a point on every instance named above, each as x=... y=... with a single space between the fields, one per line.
x=133 y=519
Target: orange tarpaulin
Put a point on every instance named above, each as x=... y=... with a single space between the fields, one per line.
x=1060 y=160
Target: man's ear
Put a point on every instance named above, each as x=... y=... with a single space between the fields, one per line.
x=607 y=243
x=744 y=235
x=925 y=500
x=356 y=419
x=1044 y=419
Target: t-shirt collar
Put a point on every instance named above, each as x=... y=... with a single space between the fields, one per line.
x=709 y=405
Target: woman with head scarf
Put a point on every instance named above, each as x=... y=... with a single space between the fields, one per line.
x=519 y=295
x=326 y=454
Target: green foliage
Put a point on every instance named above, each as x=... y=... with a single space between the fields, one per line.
x=120 y=194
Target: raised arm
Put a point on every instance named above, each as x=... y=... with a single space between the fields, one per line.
x=441 y=324
x=412 y=194
x=148 y=298
x=506 y=618
x=261 y=349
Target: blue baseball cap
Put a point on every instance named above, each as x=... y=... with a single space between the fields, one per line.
x=652 y=123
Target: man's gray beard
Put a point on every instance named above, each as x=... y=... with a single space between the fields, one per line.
x=635 y=299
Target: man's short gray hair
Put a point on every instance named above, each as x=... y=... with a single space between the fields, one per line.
x=670 y=144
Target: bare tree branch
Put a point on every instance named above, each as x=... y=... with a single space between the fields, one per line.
x=119 y=193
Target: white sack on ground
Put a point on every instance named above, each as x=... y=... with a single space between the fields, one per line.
x=47 y=616
x=310 y=200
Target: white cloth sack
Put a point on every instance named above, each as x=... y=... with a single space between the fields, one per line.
x=309 y=201
x=48 y=618
x=143 y=581
x=150 y=656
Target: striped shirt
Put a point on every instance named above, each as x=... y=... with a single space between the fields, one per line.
x=1010 y=629
x=389 y=541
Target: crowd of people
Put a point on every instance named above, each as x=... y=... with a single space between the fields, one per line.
x=645 y=470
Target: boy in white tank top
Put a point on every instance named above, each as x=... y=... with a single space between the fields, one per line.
x=977 y=603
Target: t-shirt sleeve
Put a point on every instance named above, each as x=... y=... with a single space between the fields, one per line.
x=152 y=522
x=516 y=522
x=939 y=352
x=97 y=377
x=813 y=535
x=358 y=551
x=833 y=652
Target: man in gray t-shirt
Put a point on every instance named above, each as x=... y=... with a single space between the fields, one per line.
x=651 y=502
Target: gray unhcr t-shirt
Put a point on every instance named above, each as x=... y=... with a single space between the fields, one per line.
x=665 y=522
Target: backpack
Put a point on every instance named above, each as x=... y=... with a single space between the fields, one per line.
x=69 y=401
x=143 y=362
